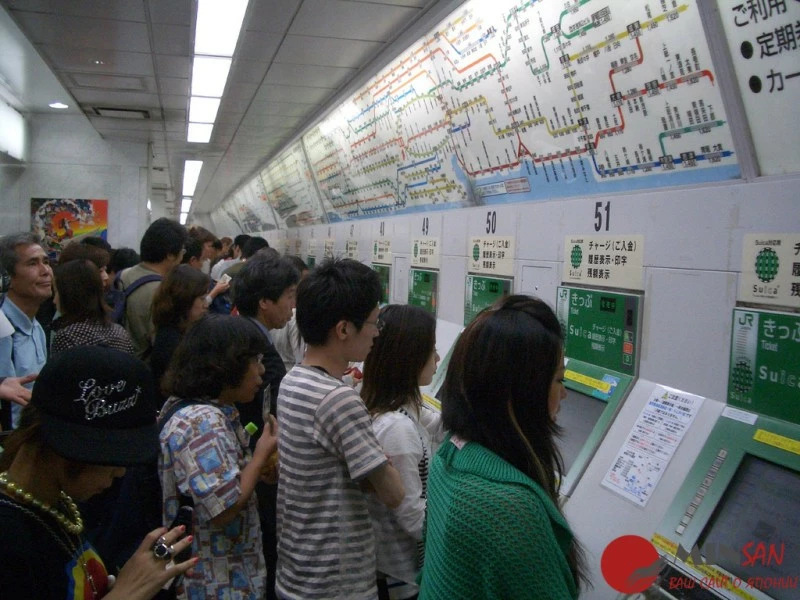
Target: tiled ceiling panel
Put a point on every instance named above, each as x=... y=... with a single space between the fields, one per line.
x=326 y=52
x=68 y=58
x=101 y=34
x=121 y=10
x=342 y=19
x=309 y=75
x=273 y=16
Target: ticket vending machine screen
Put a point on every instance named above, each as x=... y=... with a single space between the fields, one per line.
x=577 y=416
x=754 y=532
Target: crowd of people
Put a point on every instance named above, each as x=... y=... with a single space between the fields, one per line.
x=183 y=423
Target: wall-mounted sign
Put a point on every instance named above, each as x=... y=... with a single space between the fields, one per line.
x=762 y=37
x=295 y=246
x=481 y=291
x=491 y=254
x=425 y=253
x=329 y=248
x=424 y=289
x=385 y=275
x=600 y=328
x=351 y=249
x=771 y=269
x=603 y=260
x=382 y=251
x=281 y=246
x=765 y=363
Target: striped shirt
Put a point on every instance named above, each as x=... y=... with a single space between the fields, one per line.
x=326 y=545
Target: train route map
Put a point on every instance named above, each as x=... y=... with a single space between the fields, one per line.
x=513 y=101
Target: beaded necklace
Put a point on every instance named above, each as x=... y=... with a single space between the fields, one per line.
x=72 y=523
x=69 y=546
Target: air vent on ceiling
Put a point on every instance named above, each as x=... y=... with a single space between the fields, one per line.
x=120 y=113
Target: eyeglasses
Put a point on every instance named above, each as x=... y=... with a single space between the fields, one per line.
x=378 y=323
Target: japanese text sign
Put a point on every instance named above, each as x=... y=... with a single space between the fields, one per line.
x=491 y=254
x=610 y=261
x=425 y=252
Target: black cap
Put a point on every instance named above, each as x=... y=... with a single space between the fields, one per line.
x=97 y=406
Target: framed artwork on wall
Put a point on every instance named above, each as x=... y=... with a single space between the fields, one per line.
x=60 y=221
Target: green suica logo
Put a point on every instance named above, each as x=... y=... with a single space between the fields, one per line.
x=416 y=250
x=576 y=256
x=767 y=264
x=476 y=252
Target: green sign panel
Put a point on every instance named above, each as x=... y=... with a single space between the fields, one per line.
x=481 y=292
x=385 y=275
x=765 y=363
x=424 y=289
x=600 y=328
x=311 y=261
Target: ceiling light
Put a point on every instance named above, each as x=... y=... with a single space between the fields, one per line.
x=209 y=75
x=59 y=105
x=149 y=206
x=97 y=61
x=183 y=218
x=191 y=173
x=186 y=204
x=203 y=110
x=199 y=132
x=218 y=26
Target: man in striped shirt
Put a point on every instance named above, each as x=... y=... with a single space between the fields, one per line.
x=329 y=454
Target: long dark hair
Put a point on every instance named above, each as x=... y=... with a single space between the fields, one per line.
x=176 y=294
x=398 y=355
x=212 y=355
x=497 y=387
x=80 y=292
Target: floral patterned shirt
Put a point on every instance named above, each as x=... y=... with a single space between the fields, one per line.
x=203 y=450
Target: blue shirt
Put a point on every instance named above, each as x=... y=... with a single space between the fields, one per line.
x=24 y=352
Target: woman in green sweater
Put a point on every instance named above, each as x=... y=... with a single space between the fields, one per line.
x=494 y=528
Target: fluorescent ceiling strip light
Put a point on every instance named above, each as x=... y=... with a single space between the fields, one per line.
x=218 y=26
x=186 y=205
x=209 y=74
x=191 y=173
x=203 y=110
x=183 y=218
x=199 y=132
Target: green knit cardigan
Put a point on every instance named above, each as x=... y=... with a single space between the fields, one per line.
x=491 y=532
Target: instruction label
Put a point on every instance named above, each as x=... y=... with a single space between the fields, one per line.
x=651 y=444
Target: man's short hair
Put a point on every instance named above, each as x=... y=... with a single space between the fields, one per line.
x=253 y=245
x=94 y=240
x=240 y=240
x=164 y=237
x=8 y=249
x=265 y=276
x=337 y=289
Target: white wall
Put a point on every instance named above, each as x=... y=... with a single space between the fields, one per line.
x=69 y=159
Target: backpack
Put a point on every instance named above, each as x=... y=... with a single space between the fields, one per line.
x=117 y=297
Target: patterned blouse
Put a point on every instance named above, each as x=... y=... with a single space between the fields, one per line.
x=89 y=333
x=203 y=450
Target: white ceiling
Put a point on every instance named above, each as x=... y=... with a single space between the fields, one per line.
x=292 y=59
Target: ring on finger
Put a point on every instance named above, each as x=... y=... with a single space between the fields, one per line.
x=161 y=550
